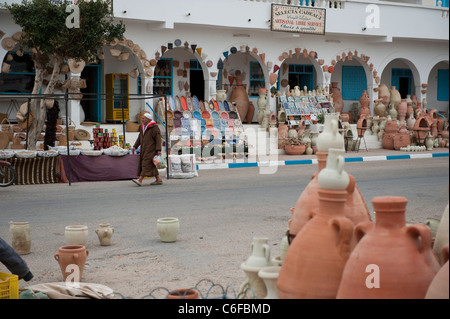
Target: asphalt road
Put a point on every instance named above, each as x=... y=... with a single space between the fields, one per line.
x=220 y=211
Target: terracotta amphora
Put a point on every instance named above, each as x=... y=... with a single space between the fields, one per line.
x=384 y=95
x=391 y=260
x=442 y=234
x=439 y=287
x=75 y=256
x=338 y=102
x=402 y=110
x=313 y=265
x=240 y=97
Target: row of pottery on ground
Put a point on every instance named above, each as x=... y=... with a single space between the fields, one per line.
x=334 y=243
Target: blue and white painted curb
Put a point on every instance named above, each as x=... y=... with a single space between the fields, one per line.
x=314 y=161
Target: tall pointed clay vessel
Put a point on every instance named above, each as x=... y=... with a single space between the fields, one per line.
x=313 y=265
x=391 y=260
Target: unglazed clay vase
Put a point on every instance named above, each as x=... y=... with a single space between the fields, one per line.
x=439 y=287
x=401 y=140
x=391 y=260
x=330 y=137
x=221 y=95
x=282 y=135
x=402 y=110
x=104 y=233
x=384 y=95
x=76 y=234
x=442 y=234
x=262 y=105
x=314 y=262
x=270 y=276
x=73 y=256
x=380 y=108
x=395 y=97
x=364 y=101
x=168 y=228
x=338 y=102
x=260 y=253
x=333 y=175
x=411 y=121
x=20 y=237
x=240 y=97
x=393 y=111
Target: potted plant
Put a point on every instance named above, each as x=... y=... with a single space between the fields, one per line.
x=294 y=146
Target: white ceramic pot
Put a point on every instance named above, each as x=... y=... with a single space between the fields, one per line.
x=76 y=235
x=260 y=253
x=270 y=276
x=330 y=137
x=168 y=228
x=333 y=175
x=104 y=234
x=20 y=237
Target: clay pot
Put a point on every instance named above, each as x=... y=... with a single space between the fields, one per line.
x=361 y=126
x=391 y=126
x=396 y=98
x=76 y=234
x=384 y=95
x=402 y=110
x=421 y=128
x=240 y=97
x=72 y=255
x=380 y=108
x=183 y=294
x=295 y=149
x=313 y=265
x=250 y=113
x=333 y=176
x=260 y=253
x=388 y=141
x=391 y=260
x=330 y=137
x=338 y=101
x=20 y=237
x=221 y=95
x=401 y=140
x=411 y=121
x=168 y=228
x=104 y=234
x=364 y=99
x=439 y=287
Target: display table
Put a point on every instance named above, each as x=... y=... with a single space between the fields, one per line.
x=38 y=170
x=100 y=168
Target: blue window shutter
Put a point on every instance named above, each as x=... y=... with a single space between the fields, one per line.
x=443 y=85
x=354 y=82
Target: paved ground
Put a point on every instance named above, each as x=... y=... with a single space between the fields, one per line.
x=220 y=212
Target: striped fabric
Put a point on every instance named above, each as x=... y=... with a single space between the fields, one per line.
x=39 y=170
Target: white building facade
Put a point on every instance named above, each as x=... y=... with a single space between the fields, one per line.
x=197 y=46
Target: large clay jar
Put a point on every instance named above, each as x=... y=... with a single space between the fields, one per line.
x=338 y=102
x=313 y=265
x=380 y=108
x=402 y=110
x=76 y=234
x=168 y=228
x=442 y=234
x=240 y=97
x=355 y=206
x=104 y=233
x=388 y=141
x=391 y=260
x=439 y=287
x=396 y=98
x=384 y=95
x=393 y=111
x=250 y=113
x=20 y=237
x=72 y=255
x=282 y=135
x=410 y=121
x=262 y=105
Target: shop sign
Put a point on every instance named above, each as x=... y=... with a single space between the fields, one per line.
x=298 y=19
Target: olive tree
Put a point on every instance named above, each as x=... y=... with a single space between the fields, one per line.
x=49 y=30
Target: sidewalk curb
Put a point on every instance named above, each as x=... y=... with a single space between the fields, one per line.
x=314 y=161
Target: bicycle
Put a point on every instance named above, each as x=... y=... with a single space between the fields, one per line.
x=8 y=174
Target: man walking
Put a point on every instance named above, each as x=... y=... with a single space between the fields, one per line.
x=150 y=141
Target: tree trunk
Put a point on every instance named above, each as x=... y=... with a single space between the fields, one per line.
x=38 y=124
